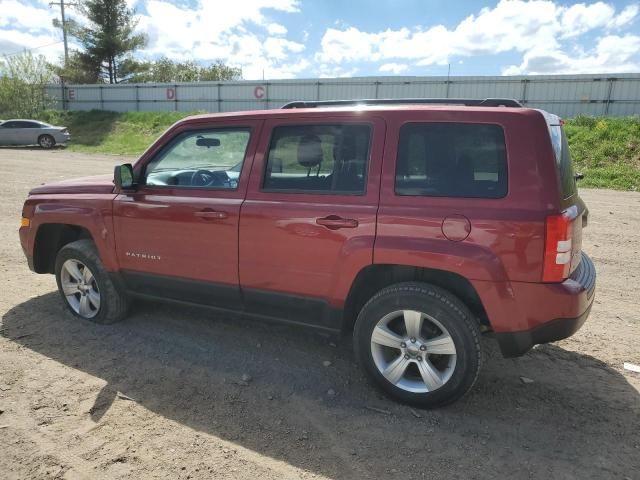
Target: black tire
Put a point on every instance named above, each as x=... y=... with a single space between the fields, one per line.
x=450 y=312
x=46 y=141
x=114 y=301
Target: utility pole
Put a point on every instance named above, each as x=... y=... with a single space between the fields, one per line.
x=64 y=29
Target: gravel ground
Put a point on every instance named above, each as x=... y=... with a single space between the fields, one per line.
x=162 y=394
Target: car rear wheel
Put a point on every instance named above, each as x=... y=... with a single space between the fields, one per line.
x=419 y=344
x=87 y=289
x=46 y=141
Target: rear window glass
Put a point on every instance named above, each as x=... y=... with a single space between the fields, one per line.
x=318 y=158
x=563 y=160
x=451 y=160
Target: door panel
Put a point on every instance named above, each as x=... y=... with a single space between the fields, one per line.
x=182 y=242
x=5 y=134
x=307 y=244
x=11 y=133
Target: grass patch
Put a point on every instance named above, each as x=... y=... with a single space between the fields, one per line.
x=111 y=132
x=606 y=150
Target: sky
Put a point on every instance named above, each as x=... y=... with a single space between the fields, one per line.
x=276 y=39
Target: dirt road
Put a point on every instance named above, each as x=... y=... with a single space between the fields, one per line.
x=161 y=395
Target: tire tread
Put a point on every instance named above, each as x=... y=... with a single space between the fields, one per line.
x=452 y=303
x=115 y=301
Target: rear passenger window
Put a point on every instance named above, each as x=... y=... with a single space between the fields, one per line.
x=318 y=159
x=451 y=160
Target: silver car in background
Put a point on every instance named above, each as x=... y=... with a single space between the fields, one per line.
x=32 y=132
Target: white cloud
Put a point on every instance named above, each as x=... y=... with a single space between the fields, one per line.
x=276 y=29
x=511 y=26
x=626 y=16
x=581 y=18
x=207 y=31
x=548 y=36
x=214 y=31
x=27 y=16
x=612 y=54
x=393 y=68
x=336 y=71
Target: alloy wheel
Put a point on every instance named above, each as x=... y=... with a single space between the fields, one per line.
x=46 y=142
x=80 y=288
x=413 y=351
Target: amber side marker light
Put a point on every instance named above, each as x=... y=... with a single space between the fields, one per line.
x=25 y=222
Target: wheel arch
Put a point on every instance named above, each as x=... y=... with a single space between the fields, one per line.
x=50 y=238
x=373 y=278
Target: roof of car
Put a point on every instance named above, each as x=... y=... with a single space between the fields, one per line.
x=22 y=120
x=292 y=112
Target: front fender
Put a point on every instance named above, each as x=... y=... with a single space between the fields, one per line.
x=89 y=211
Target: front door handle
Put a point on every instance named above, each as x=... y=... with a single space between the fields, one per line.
x=334 y=222
x=209 y=214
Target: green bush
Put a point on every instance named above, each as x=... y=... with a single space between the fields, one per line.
x=606 y=150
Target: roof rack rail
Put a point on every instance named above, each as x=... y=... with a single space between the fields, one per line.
x=468 y=102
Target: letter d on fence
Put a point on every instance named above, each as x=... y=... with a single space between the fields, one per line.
x=171 y=93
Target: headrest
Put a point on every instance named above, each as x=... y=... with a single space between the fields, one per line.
x=310 y=151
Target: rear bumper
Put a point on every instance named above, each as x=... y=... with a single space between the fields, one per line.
x=515 y=344
x=539 y=313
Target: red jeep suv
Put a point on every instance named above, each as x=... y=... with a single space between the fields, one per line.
x=416 y=224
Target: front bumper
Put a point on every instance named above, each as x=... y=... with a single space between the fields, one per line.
x=23 y=233
x=578 y=298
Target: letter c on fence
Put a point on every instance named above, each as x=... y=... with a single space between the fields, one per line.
x=259 y=92
x=171 y=93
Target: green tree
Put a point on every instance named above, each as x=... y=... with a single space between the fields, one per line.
x=108 y=40
x=166 y=70
x=79 y=69
x=23 y=81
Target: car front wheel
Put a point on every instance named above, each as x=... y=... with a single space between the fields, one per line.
x=419 y=344
x=85 y=286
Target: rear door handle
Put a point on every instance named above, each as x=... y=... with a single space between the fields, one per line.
x=334 y=222
x=209 y=214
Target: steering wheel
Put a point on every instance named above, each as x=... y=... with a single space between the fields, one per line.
x=205 y=178
x=202 y=178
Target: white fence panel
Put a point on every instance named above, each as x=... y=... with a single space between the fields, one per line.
x=565 y=95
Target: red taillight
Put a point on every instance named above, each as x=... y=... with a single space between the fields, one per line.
x=557 y=248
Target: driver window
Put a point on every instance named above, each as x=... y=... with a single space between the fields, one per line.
x=201 y=159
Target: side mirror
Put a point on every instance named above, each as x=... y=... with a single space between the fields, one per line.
x=123 y=177
x=578 y=176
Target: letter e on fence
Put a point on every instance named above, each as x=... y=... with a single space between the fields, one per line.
x=71 y=94
x=171 y=93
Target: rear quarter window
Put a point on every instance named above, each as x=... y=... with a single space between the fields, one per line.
x=564 y=165
x=451 y=160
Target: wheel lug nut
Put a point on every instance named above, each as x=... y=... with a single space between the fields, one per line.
x=419 y=358
x=406 y=357
x=413 y=340
x=403 y=345
x=423 y=348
